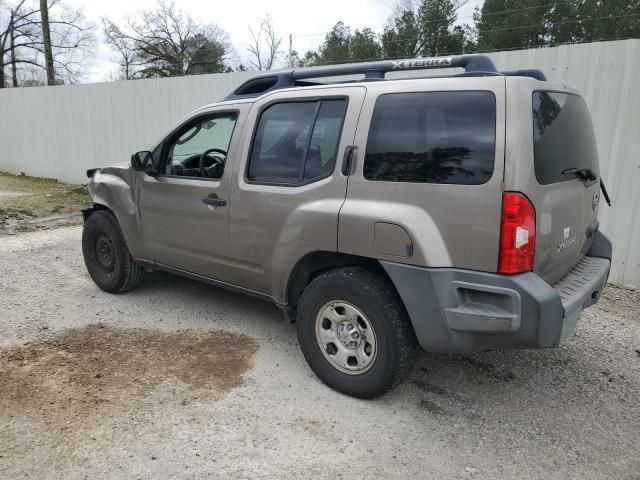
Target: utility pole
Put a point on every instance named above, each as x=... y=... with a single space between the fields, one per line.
x=46 y=41
x=290 y=51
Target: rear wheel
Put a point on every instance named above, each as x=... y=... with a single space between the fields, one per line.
x=106 y=255
x=354 y=332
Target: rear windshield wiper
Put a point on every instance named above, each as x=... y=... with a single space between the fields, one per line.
x=588 y=175
x=604 y=192
x=583 y=173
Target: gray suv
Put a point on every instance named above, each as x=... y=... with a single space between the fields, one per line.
x=452 y=214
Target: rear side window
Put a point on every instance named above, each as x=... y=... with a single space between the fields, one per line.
x=432 y=137
x=296 y=143
x=563 y=136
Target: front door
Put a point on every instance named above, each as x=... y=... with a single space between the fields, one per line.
x=184 y=211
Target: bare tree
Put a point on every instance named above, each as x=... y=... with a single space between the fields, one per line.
x=12 y=55
x=22 y=42
x=125 y=47
x=46 y=43
x=8 y=19
x=255 y=48
x=265 y=45
x=72 y=40
x=166 y=42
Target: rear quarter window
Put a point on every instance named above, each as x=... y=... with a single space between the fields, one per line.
x=563 y=136
x=432 y=137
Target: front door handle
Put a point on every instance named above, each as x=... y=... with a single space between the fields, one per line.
x=214 y=201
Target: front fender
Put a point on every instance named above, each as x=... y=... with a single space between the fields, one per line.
x=113 y=190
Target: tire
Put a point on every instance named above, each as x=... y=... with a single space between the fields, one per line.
x=342 y=295
x=106 y=255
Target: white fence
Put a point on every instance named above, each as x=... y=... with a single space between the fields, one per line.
x=59 y=132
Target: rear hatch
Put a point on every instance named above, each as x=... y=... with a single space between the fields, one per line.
x=566 y=191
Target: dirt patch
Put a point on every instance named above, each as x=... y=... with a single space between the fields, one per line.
x=620 y=302
x=428 y=387
x=319 y=430
x=489 y=370
x=66 y=399
x=30 y=203
x=431 y=407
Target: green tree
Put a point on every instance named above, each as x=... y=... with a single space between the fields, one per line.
x=563 y=23
x=426 y=29
x=402 y=38
x=342 y=46
x=364 y=45
x=622 y=19
x=437 y=36
x=206 y=55
x=507 y=24
x=309 y=59
x=336 y=46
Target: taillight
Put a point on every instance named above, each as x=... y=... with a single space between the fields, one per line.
x=517 y=234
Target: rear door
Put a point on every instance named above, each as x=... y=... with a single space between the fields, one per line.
x=554 y=135
x=288 y=188
x=426 y=187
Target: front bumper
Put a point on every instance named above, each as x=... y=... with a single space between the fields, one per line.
x=455 y=310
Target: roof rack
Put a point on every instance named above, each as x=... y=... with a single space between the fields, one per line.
x=526 y=72
x=475 y=65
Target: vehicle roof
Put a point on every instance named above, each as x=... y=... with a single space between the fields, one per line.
x=396 y=84
x=475 y=67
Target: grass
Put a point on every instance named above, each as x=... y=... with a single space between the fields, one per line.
x=39 y=198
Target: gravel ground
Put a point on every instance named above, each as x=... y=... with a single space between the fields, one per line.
x=182 y=380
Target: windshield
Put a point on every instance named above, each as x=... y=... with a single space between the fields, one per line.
x=563 y=136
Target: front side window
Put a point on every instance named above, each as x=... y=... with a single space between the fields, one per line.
x=296 y=142
x=201 y=148
x=432 y=137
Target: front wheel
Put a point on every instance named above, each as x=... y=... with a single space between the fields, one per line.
x=106 y=255
x=354 y=332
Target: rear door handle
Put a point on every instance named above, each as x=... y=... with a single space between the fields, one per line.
x=348 y=160
x=214 y=201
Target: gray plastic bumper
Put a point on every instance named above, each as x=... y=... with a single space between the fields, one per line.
x=456 y=310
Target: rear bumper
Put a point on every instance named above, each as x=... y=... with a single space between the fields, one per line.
x=456 y=310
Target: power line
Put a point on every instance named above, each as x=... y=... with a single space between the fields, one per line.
x=357 y=60
x=499 y=12
x=492 y=30
x=532 y=7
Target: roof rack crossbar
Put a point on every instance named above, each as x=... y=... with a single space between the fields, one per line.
x=526 y=72
x=371 y=70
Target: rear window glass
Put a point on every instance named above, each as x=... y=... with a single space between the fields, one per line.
x=563 y=136
x=432 y=137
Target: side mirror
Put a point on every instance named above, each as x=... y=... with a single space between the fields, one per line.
x=142 y=162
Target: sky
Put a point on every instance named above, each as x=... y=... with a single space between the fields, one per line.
x=308 y=22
